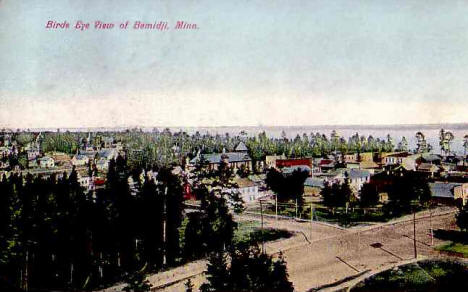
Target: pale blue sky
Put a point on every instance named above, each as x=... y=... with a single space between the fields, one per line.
x=250 y=62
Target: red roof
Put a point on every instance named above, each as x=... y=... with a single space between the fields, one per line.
x=325 y=162
x=293 y=162
x=99 y=182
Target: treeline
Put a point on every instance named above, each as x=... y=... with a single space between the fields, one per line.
x=163 y=148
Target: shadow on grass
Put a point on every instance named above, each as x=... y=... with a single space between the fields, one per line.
x=452 y=235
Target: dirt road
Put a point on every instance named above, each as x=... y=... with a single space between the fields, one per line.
x=319 y=254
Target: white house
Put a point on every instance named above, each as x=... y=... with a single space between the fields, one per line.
x=80 y=160
x=86 y=182
x=102 y=164
x=33 y=153
x=46 y=162
x=247 y=189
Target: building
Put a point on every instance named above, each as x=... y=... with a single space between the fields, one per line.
x=391 y=159
x=326 y=165
x=428 y=168
x=60 y=158
x=86 y=182
x=270 y=160
x=107 y=153
x=313 y=186
x=444 y=193
x=247 y=189
x=102 y=164
x=46 y=162
x=358 y=157
x=33 y=153
x=280 y=163
x=235 y=160
x=80 y=160
x=461 y=194
x=357 y=178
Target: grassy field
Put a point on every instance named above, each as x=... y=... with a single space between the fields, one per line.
x=429 y=275
x=455 y=247
x=250 y=232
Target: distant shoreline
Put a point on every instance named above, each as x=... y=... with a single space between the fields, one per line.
x=453 y=126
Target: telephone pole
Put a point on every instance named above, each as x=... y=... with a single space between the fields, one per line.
x=414 y=235
x=261 y=215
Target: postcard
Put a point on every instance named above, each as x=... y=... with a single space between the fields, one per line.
x=246 y=145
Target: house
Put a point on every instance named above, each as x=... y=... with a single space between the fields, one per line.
x=60 y=158
x=241 y=148
x=313 y=186
x=428 y=168
x=391 y=159
x=443 y=193
x=33 y=153
x=369 y=165
x=357 y=178
x=326 y=165
x=102 y=164
x=91 y=154
x=107 y=153
x=247 y=189
x=235 y=160
x=86 y=182
x=5 y=151
x=461 y=194
x=46 y=162
x=359 y=157
x=107 y=142
x=80 y=160
x=4 y=164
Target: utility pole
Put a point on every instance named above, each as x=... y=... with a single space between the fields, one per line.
x=359 y=246
x=261 y=215
x=311 y=219
x=296 y=208
x=430 y=222
x=276 y=206
x=414 y=235
x=164 y=226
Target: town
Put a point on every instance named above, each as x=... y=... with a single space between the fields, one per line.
x=132 y=203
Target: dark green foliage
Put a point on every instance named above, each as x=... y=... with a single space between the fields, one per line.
x=287 y=187
x=65 y=239
x=462 y=218
x=369 y=196
x=429 y=275
x=408 y=190
x=336 y=195
x=211 y=229
x=137 y=282
x=249 y=270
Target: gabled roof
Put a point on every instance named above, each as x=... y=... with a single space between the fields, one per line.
x=230 y=156
x=327 y=162
x=396 y=154
x=427 y=167
x=291 y=169
x=244 y=183
x=241 y=147
x=443 y=190
x=368 y=164
x=358 y=173
x=314 y=182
